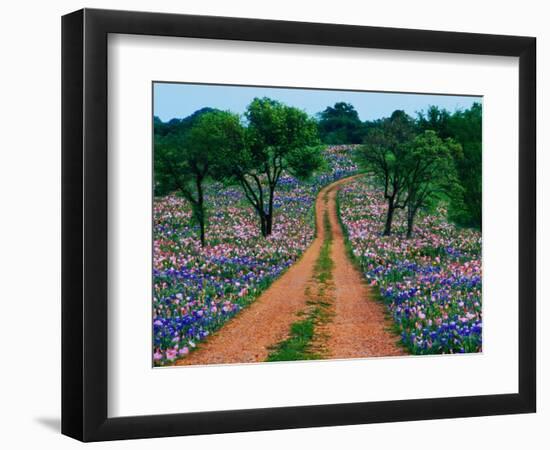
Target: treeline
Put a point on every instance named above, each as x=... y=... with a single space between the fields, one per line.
x=418 y=161
x=392 y=142
x=252 y=154
x=464 y=127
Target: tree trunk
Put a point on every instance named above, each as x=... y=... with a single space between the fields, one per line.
x=268 y=224
x=269 y=215
x=263 y=224
x=389 y=217
x=410 y=221
x=203 y=237
x=411 y=214
x=200 y=211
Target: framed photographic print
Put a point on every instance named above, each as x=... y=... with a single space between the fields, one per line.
x=273 y=224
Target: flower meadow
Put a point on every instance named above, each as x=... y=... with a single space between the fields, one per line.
x=430 y=284
x=198 y=289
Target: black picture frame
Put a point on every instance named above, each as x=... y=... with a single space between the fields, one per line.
x=84 y=224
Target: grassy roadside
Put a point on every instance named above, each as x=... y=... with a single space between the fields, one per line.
x=303 y=341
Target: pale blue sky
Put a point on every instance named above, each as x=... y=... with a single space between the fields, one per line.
x=176 y=100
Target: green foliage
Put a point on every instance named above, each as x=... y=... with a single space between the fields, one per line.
x=324 y=264
x=295 y=348
x=384 y=155
x=214 y=136
x=464 y=127
x=430 y=172
x=188 y=153
x=277 y=132
x=187 y=156
x=384 y=151
x=340 y=125
x=419 y=163
x=278 y=138
x=179 y=125
x=303 y=162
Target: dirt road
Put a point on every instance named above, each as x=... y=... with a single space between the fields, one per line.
x=357 y=329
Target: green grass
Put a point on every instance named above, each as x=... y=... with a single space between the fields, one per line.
x=324 y=264
x=298 y=346
x=295 y=348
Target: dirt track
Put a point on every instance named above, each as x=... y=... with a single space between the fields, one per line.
x=247 y=337
x=358 y=328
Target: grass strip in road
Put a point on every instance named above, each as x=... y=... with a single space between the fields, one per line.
x=299 y=345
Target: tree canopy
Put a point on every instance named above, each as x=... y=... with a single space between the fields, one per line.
x=278 y=138
x=179 y=125
x=186 y=157
x=418 y=162
x=430 y=173
x=384 y=154
x=465 y=128
x=415 y=167
x=340 y=124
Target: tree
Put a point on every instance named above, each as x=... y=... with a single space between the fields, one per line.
x=340 y=125
x=430 y=173
x=278 y=138
x=464 y=127
x=184 y=159
x=384 y=155
x=179 y=125
x=435 y=119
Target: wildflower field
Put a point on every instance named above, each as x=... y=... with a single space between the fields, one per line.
x=371 y=228
x=430 y=283
x=198 y=289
